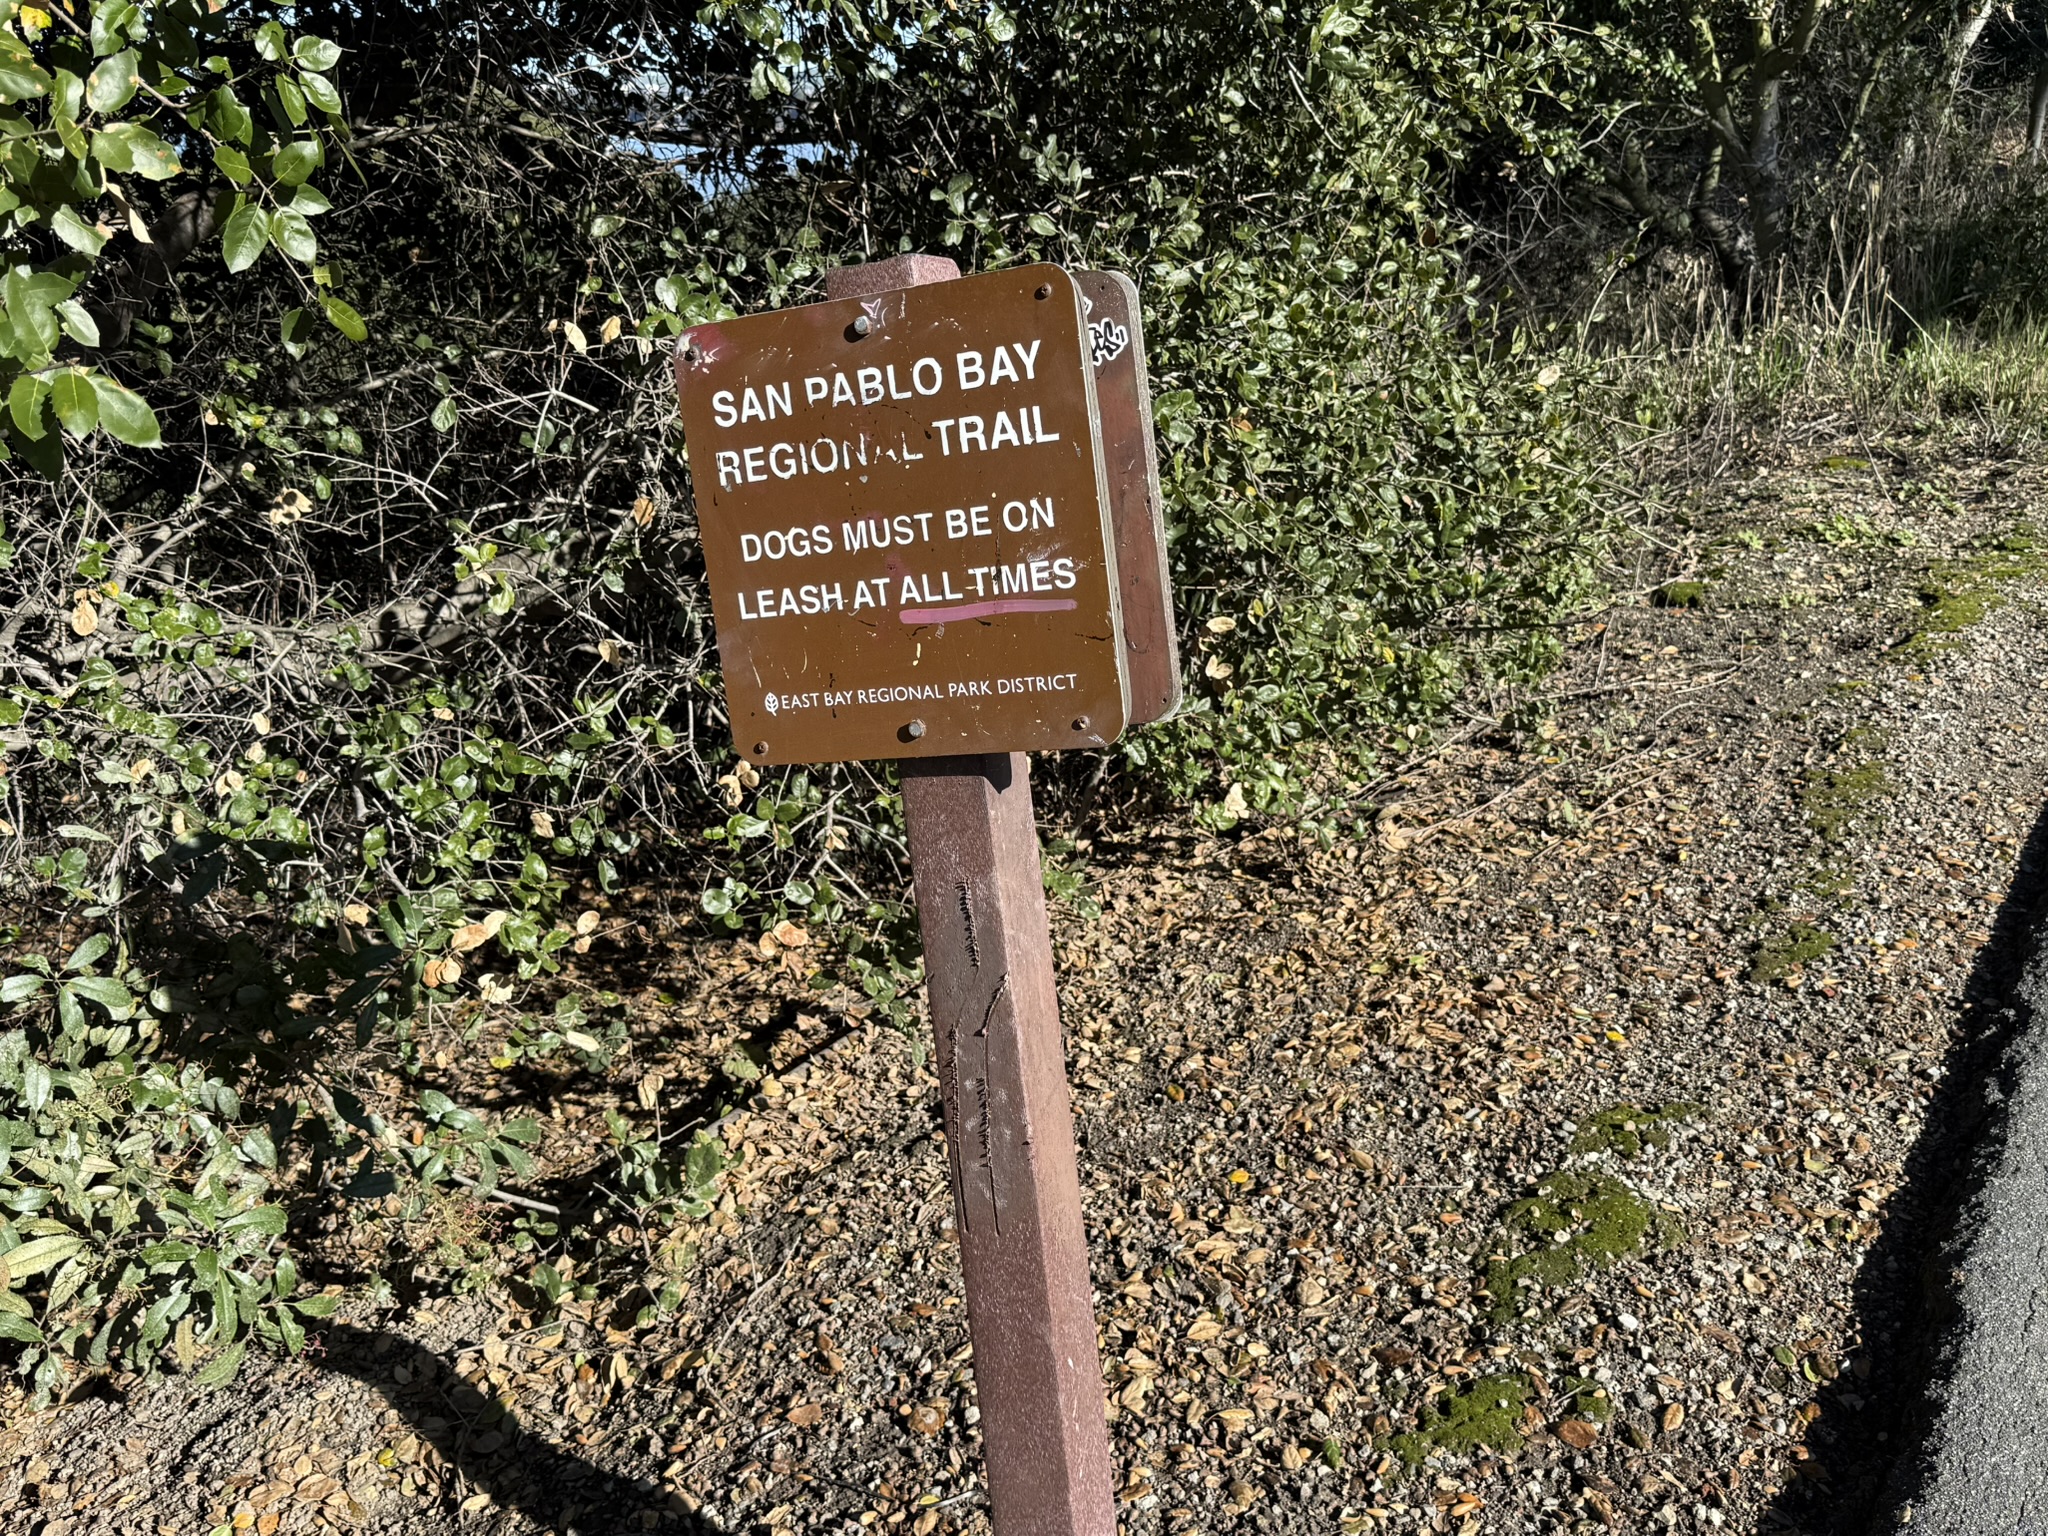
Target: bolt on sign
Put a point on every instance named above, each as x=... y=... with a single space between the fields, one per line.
x=905 y=515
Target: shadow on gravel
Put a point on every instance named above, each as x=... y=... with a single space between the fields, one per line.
x=520 y=1470
x=1864 y=1448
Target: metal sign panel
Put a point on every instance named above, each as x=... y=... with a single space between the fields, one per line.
x=905 y=520
x=1123 y=393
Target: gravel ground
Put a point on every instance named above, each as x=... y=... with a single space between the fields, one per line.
x=1568 y=1157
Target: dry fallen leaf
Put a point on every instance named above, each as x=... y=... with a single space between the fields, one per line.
x=928 y=1418
x=1674 y=1416
x=1579 y=1434
x=543 y=824
x=790 y=936
x=609 y=331
x=586 y=922
x=643 y=510
x=85 y=618
x=442 y=973
x=471 y=935
x=806 y=1414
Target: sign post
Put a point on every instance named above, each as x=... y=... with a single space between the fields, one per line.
x=913 y=539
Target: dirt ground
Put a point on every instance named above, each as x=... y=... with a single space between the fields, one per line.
x=1565 y=1158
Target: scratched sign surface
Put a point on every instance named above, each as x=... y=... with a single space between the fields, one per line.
x=905 y=519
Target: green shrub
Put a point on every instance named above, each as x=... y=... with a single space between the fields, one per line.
x=319 y=718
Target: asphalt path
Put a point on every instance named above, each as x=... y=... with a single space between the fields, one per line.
x=1983 y=1468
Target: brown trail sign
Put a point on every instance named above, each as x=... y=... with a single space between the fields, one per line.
x=1049 y=602
x=1123 y=394
x=906 y=522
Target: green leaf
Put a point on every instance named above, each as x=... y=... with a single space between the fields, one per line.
x=291 y=99
x=270 y=41
x=292 y=329
x=78 y=324
x=113 y=83
x=25 y=397
x=244 y=237
x=126 y=416
x=73 y=138
x=107 y=992
x=1041 y=225
x=132 y=147
x=36 y=1086
x=266 y=1219
x=20 y=1329
x=41 y=1253
x=317 y=1306
x=309 y=200
x=293 y=235
x=606 y=224
x=233 y=163
x=320 y=92
x=443 y=418
x=21 y=78
x=344 y=318
x=231 y=119
x=19 y=989
x=88 y=952
x=75 y=232
x=296 y=161
x=221 y=1369
x=77 y=403
x=316 y=53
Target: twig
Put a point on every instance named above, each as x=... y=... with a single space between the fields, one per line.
x=507 y=1196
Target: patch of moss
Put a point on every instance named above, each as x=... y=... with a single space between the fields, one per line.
x=1487 y=1414
x=1946 y=610
x=1680 y=594
x=1589 y=1399
x=1627 y=1130
x=1782 y=954
x=1836 y=800
x=1828 y=881
x=1574 y=1222
x=1959 y=593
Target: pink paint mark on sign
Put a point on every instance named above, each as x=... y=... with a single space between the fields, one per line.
x=994 y=606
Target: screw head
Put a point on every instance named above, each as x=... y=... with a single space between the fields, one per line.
x=862 y=325
x=691 y=354
x=913 y=731
x=760 y=749
x=1080 y=722
x=1045 y=290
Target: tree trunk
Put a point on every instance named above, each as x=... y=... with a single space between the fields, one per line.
x=1770 y=207
x=2037 y=111
x=1966 y=44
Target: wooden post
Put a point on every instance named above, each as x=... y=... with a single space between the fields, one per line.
x=1009 y=1123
